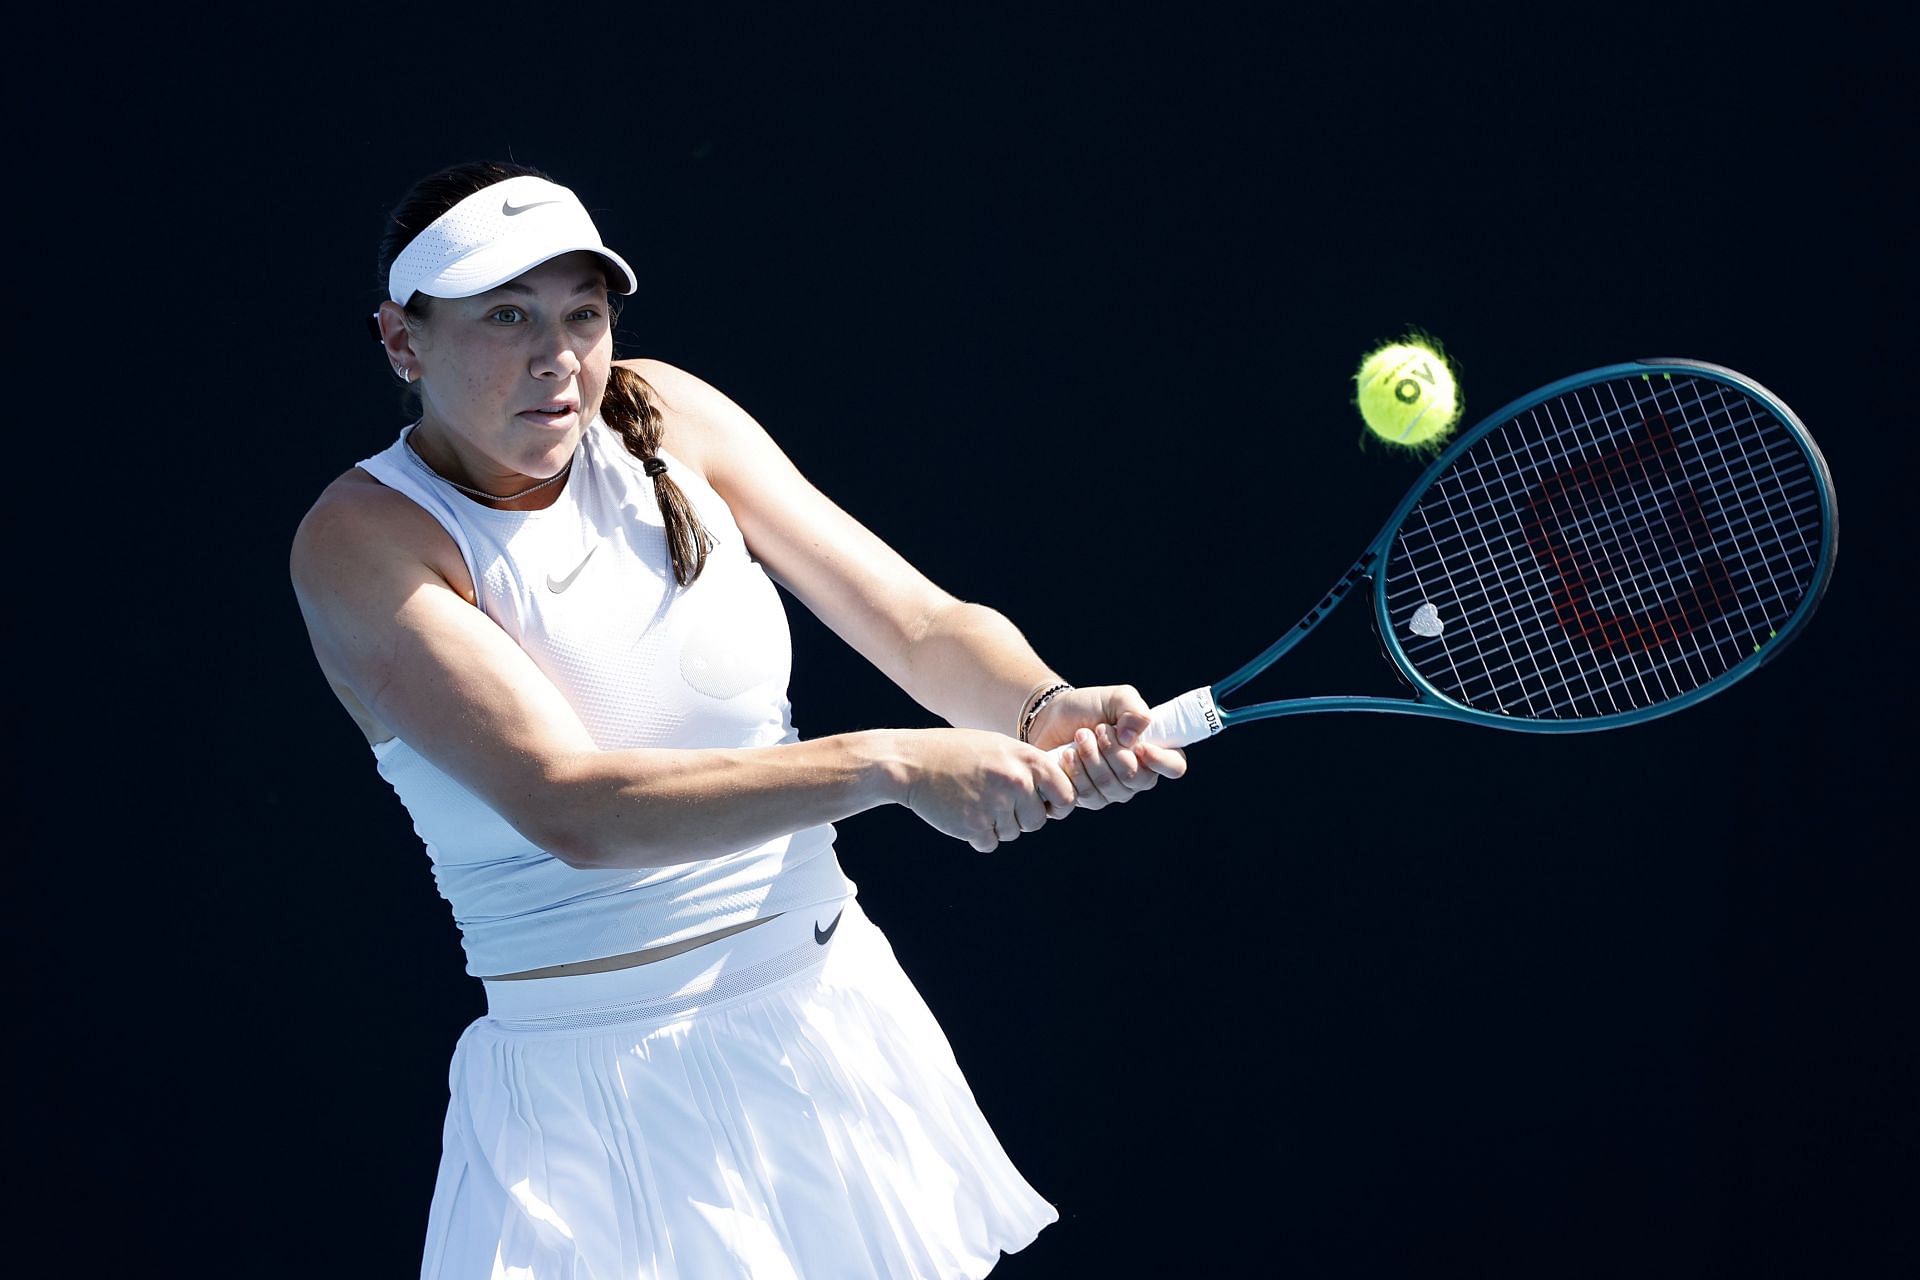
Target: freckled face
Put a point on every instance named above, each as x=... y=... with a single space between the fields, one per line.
x=509 y=378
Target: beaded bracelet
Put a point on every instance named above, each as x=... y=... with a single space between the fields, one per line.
x=1033 y=708
x=1026 y=704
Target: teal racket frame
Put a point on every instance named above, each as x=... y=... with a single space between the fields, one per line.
x=1429 y=701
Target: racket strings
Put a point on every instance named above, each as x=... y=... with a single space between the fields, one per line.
x=1641 y=678
x=1469 y=544
x=1616 y=547
x=1564 y=522
x=1469 y=536
x=1634 y=671
x=1642 y=540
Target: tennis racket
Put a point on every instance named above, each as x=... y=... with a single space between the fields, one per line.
x=1612 y=548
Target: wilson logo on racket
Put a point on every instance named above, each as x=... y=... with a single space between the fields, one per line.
x=1619 y=525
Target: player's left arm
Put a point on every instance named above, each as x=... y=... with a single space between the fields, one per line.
x=964 y=662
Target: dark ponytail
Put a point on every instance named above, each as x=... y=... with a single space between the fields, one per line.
x=627 y=407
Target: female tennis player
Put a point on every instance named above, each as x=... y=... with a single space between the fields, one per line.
x=549 y=605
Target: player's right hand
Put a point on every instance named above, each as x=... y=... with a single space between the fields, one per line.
x=982 y=787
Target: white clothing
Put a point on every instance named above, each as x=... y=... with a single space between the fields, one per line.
x=778 y=1104
x=586 y=588
x=766 y=1106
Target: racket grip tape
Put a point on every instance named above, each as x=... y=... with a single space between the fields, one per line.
x=1185 y=720
x=1179 y=722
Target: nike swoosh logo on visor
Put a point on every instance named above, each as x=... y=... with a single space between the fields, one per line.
x=821 y=935
x=561 y=584
x=508 y=207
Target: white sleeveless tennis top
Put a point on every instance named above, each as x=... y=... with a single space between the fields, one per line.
x=586 y=587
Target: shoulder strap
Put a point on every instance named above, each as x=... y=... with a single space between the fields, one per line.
x=395 y=468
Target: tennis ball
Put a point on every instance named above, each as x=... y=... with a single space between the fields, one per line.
x=1407 y=395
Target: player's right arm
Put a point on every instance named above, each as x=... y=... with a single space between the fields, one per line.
x=390 y=615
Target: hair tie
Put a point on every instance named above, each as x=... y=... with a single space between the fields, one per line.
x=653 y=465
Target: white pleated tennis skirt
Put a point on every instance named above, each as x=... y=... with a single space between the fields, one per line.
x=764 y=1106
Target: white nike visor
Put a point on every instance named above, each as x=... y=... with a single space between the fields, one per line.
x=494 y=235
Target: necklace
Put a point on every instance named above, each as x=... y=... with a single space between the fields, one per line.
x=482 y=493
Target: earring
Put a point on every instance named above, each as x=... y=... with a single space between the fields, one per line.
x=406 y=375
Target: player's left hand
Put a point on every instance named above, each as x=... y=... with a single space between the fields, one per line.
x=1106 y=760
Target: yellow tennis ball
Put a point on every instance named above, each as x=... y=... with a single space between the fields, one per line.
x=1407 y=395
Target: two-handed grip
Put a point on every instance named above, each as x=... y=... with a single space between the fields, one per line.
x=1179 y=722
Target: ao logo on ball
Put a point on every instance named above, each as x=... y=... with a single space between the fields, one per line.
x=1407 y=395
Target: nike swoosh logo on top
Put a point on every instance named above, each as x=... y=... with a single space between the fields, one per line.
x=559 y=585
x=509 y=208
x=821 y=935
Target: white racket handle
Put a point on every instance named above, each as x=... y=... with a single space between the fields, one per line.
x=1177 y=723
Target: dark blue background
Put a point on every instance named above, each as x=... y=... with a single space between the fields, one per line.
x=1066 y=311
